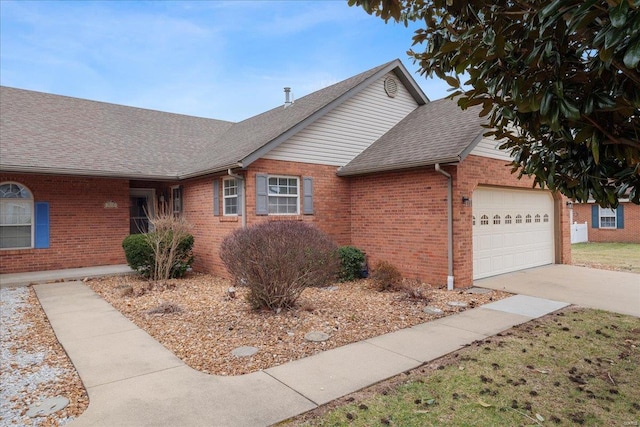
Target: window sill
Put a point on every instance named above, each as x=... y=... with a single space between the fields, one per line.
x=228 y=219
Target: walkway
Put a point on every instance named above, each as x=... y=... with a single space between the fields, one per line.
x=12 y=280
x=132 y=380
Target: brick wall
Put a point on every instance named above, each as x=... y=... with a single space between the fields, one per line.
x=401 y=217
x=629 y=234
x=330 y=198
x=83 y=232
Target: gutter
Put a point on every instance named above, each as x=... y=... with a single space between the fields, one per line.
x=244 y=195
x=449 y=226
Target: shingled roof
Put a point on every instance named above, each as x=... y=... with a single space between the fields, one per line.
x=47 y=133
x=437 y=132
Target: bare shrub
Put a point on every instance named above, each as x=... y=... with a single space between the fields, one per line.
x=170 y=244
x=126 y=290
x=277 y=260
x=386 y=277
x=166 y=308
x=413 y=290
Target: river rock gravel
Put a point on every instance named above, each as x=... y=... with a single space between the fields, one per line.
x=33 y=365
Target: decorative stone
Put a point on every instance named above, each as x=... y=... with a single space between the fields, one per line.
x=432 y=310
x=244 y=351
x=457 y=304
x=478 y=291
x=316 y=336
x=47 y=406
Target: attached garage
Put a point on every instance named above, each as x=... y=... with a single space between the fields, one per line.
x=512 y=230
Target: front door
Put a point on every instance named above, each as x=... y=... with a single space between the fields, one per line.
x=141 y=206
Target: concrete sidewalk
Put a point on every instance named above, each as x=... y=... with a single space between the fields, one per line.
x=12 y=280
x=132 y=380
x=614 y=291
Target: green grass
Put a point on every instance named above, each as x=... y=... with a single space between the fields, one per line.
x=575 y=367
x=613 y=256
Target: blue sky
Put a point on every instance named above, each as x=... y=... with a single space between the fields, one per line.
x=221 y=59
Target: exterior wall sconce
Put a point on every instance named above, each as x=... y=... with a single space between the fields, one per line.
x=570 y=204
x=466 y=201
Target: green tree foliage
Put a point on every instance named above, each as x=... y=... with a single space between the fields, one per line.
x=558 y=80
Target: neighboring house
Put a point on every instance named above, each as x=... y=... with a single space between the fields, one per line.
x=369 y=160
x=610 y=225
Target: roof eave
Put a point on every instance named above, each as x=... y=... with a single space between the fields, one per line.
x=86 y=173
x=398 y=166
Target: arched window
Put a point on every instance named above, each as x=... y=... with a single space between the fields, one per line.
x=16 y=216
x=537 y=218
x=473 y=220
x=496 y=219
x=518 y=219
x=507 y=219
x=527 y=219
x=546 y=218
x=484 y=220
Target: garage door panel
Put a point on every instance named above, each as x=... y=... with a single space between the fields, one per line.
x=513 y=230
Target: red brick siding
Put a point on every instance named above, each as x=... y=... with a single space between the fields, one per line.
x=83 y=232
x=330 y=198
x=629 y=234
x=401 y=217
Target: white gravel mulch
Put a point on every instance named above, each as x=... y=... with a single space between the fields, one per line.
x=33 y=365
x=202 y=325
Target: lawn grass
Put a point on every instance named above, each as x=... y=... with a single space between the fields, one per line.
x=612 y=256
x=574 y=367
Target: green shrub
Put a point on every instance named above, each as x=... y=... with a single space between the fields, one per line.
x=140 y=254
x=351 y=262
x=386 y=276
x=277 y=260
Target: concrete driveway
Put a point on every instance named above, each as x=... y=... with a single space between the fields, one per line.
x=614 y=291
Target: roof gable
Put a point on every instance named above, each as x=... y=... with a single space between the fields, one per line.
x=437 y=132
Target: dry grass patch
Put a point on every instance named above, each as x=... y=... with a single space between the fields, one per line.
x=574 y=367
x=607 y=256
x=211 y=323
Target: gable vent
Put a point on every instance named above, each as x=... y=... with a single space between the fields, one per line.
x=391 y=87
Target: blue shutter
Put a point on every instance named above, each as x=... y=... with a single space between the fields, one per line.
x=262 y=199
x=595 y=216
x=41 y=240
x=216 y=197
x=240 y=183
x=620 y=216
x=307 y=205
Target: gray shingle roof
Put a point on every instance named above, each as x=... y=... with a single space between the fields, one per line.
x=47 y=133
x=437 y=132
x=58 y=134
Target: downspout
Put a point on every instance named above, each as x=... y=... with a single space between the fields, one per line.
x=244 y=195
x=449 y=226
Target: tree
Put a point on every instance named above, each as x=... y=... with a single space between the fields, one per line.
x=557 y=79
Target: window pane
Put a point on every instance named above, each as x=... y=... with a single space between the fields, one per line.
x=14 y=191
x=15 y=212
x=15 y=237
x=231 y=206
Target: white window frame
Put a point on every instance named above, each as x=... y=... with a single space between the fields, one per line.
x=227 y=197
x=176 y=202
x=271 y=194
x=7 y=200
x=609 y=214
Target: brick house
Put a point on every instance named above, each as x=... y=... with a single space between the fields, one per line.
x=369 y=160
x=609 y=225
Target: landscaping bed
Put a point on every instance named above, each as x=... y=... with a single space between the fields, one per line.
x=199 y=322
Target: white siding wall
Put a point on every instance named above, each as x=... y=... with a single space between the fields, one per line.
x=342 y=134
x=488 y=147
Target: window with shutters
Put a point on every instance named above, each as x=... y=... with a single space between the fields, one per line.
x=607 y=218
x=16 y=216
x=230 y=196
x=283 y=194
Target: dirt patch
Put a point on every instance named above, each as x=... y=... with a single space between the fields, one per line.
x=205 y=323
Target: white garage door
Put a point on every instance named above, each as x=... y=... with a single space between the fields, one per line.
x=512 y=230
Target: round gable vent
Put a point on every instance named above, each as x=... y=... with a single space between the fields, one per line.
x=391 y=87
